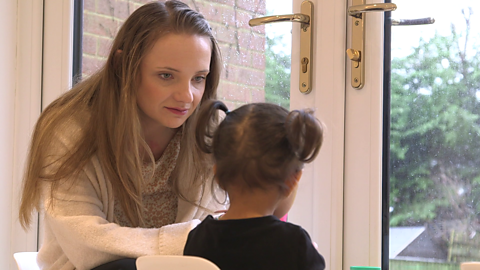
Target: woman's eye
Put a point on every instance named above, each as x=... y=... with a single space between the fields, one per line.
x=200 y=78
x=165 y=76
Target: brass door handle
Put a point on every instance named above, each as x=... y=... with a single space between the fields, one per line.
x=357 y=10
x=306 y=37
x=357 y=52
x=420 y=21
x=297 y=17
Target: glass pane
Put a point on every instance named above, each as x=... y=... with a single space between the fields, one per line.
x=256 y=59
x=278 y=55
x=435 y=136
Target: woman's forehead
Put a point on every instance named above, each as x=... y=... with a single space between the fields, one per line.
x=178 y=50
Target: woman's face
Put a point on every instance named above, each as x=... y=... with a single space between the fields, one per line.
x=172 y=79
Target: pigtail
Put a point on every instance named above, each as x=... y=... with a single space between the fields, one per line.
x=305 y=134
x=207 y=122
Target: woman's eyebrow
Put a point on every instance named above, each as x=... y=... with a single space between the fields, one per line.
x=176 y=70
x=169 y=68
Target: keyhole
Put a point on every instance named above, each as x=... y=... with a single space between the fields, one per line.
x=304 y=64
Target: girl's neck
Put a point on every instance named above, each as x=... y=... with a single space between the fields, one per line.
x=251 y=203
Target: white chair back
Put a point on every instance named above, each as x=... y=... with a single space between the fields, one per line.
x=26 y=260
x=470 y=266
x=161 y=262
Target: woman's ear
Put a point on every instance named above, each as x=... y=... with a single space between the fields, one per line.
x=117 y=60
x=215 y=175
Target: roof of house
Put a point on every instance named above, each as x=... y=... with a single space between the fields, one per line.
x=401 y=237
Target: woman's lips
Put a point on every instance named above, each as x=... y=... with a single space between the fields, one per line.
x=177 y=111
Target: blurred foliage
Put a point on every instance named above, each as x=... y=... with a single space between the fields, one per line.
x=435 y=132
x=277 y=75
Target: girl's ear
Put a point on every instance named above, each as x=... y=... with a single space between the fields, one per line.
x=292 y=182
x=298 y=175
x=289 y=194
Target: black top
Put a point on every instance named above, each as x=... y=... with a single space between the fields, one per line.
x=256 y=243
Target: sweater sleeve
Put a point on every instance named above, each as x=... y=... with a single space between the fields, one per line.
x=77 y=219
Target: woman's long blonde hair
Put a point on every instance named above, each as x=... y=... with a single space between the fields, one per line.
x=113 y=132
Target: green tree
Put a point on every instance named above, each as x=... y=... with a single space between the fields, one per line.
x=435 y=132
x=277 y=75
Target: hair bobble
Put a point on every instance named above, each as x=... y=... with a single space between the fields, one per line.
x=224 y=108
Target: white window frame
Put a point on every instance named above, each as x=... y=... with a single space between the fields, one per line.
x=57 y=56
x=42 y=57
x=26 y=22
x=8 y=67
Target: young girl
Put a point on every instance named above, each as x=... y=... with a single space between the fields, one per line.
x=259 y=151
x=113 y=162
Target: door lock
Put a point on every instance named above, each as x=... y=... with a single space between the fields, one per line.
x=354 y=55
x=304 y=63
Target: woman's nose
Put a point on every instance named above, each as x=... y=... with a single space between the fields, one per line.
x=184 y=93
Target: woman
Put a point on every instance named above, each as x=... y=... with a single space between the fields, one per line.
x=113 y=163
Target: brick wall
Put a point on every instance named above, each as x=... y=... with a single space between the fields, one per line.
x=243 y=77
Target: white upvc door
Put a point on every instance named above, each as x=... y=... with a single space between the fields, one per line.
x=339 y=199
x=319 y=203
x=363 y=150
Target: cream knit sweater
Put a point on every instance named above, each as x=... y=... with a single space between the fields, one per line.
x=80 y=232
